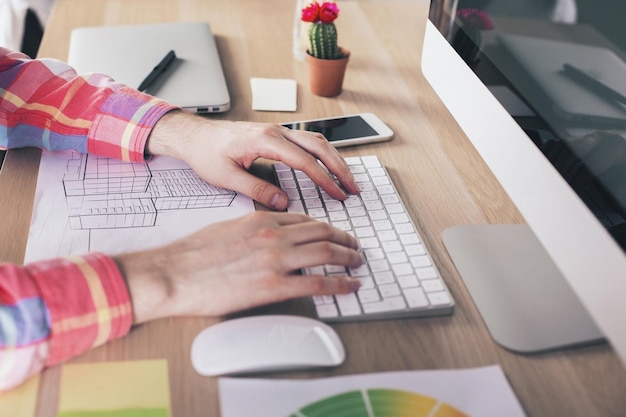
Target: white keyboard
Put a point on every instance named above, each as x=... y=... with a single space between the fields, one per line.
x=399 y=278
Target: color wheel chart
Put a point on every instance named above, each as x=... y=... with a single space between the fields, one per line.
x=379 y=403
x=467 y=392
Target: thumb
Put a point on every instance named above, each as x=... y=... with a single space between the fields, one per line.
x=259 y=190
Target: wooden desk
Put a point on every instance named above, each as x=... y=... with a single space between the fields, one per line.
x=441 y=177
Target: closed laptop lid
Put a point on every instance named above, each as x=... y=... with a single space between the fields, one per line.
x=194 y=81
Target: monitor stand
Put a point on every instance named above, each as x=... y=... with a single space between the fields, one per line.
x=524 y=300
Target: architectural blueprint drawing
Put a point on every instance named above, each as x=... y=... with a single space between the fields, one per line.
x=87 y=203
x=104 y=193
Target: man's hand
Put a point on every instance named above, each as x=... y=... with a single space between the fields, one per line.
x=221 y=152
x=236 y=265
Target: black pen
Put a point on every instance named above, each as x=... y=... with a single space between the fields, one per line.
x=157 y=71
x=592 y=84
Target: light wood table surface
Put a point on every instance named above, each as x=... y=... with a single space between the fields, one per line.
x=441 y=178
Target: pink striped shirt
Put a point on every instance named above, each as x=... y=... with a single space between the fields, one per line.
x=53 y=310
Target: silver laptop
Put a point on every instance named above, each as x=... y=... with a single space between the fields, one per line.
x=194 y=80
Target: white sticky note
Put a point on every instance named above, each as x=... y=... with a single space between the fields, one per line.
x=274 y=94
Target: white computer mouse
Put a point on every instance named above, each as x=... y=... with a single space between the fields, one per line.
x=265 y=343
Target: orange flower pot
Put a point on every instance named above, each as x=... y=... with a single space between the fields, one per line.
x=326 y=75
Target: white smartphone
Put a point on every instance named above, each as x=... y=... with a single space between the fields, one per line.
x=355 y=129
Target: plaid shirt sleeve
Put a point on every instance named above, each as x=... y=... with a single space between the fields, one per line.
x=53 y=310
x=44 y=103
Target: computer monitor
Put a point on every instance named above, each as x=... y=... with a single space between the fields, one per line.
x=556 y=144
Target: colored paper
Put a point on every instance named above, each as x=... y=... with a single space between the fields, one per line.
x=115 y=389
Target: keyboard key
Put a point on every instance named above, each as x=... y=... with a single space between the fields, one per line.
x=310 y=193
x=382 y=224
x=404 y=228
x=432 y=285
x=387 y=305
x=367 y=283
x=387 y=236
x=364 y=231
x=398 y=218
x=337 y=215
x=317 y=212
x=371 y=161
x=284 y=175
x=348 y=304
x=379 y=265
x=373 y=254
x=415 y=297
x=398 y=258
x=369 y=196
x=381 y=181
x=426 y=273
x=362 y=221
x=392 y=246
x=368 y=296
x=296 y=206
x=356 y=211
x=408 y=281
x=409 y=238
x=342 y=225
x=420 y=261
x=366 y=186
x=384 y=277
x=439 y=298
x=335 y=269
x=389 y=290
x=415 y=249
x=377 y=172
x=313 y=203
x=292 y=193
x=370 y=242
x=372 y=205
x=285 y=184
x=352 y=201
x=361 y=271
x=333 y=205
x=378 y=214
x=327 y=311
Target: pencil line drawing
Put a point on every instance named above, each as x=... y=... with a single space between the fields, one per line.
x=104 y=193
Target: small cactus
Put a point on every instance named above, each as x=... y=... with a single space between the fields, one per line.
x=322 y=32
x=323 y=40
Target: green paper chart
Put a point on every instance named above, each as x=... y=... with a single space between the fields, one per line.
x=378 y=403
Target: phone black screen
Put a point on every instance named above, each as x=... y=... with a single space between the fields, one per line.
x=337 y=129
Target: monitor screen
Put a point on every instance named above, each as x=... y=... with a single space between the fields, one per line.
x=539 y=88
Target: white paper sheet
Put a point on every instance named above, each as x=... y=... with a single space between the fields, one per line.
x=482 y=392
x=86 y=203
